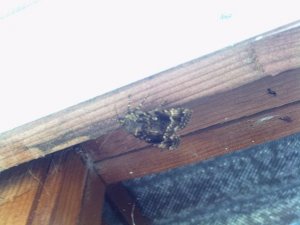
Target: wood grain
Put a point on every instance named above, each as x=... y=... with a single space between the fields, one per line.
x=71 y=194
x=230 y=68
x=93 y=200
x=19 y=188
x=50 y=191
x=205 y=144
x=58 y=190
x=60 y=187
x=209 y=111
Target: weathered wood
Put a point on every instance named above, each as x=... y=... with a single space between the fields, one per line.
x=204 y=144
x=56 y=190
x=41 y=214
x=72 y=194
x=231 y=105
x=93 y=199
x=219 y=72
x=19 y=188
x=126 y=205
x=67 y=178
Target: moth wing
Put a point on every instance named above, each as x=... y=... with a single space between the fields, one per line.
x=170 y=142
x=180 y=117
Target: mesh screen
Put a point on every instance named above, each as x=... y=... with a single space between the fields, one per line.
x=259 y=185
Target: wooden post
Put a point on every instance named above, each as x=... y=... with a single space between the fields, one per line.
x=56 y=190
x=93 y=200
x=126 y=205
x=19 y=188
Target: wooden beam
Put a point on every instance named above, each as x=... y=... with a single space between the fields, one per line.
x=210 y=142
x=61 y=197
x=126 y=205
x=93 y=200
x=270 y=54
x=71 y=194
x=19 y=187
x=228 y=106
x=56 y=190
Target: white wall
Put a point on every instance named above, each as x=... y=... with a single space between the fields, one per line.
x=56 y=53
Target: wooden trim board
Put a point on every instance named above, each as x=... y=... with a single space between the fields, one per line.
x=210 y=111
x=203 y=144
x=230 y=68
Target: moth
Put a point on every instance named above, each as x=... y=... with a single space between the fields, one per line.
x=157 y=127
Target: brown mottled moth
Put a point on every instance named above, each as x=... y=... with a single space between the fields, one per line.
x=157 y=126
